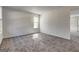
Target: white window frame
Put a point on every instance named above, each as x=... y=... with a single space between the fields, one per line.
x=36 y=22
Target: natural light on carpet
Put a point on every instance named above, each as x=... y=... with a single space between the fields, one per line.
x=35 y=36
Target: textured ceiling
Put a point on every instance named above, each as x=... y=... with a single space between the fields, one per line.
x=35 y=9
x=41 y=9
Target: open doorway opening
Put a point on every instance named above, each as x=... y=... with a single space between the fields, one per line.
x=74 y=27
x=0 y=25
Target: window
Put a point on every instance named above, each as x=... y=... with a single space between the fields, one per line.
x=36 y=22
x=35 y=25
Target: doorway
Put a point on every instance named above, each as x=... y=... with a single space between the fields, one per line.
x=74 y=27
x=0 y=25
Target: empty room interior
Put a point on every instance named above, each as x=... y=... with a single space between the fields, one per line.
x=39 y=29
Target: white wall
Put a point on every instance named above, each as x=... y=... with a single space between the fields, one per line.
x=0 y=25
x=16 y=23
x=56 y=22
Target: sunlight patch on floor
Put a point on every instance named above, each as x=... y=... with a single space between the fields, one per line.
x=35 y=36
